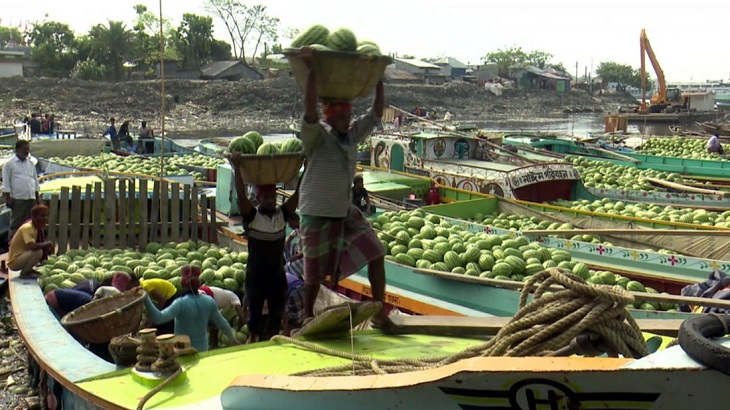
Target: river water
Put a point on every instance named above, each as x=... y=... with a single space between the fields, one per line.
x=578 y=125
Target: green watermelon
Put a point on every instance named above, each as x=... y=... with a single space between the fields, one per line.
x=369 y=49
x=267 y=148
x=317 y=34
x=292 y=145
x=342 y=40
x=254 y=137
x=242 y=145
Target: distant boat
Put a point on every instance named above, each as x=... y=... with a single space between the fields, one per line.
x=715 y=128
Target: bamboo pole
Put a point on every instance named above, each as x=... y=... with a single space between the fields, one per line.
x=162 y=95
x=619 y=232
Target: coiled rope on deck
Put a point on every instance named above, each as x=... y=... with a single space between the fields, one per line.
x=540 y=328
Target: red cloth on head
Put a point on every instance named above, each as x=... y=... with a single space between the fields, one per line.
x=265 y=189
x=332 y=109
x=190 y=276
x=206 y=290
x=121 y=280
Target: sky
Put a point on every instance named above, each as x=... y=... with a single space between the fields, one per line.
x=689 y=38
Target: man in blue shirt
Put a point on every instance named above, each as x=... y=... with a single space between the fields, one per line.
x=112 y=133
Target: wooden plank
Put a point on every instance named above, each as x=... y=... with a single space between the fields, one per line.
x=638 y=232
x=489 y=326
x=194 y=234
x=53 y=218
x=164 y=212
x=213 y=225
x=122 y=217
x=639 y=296
x=175 y=212
x=155 y=212
x=88 y=201
x=76 y=209
x=143 y=216
x=204 y=217
x=617 y=155
x=133 y=212
x=96 y=217
x=110 y=213
x=186 y=213
x=685 y=188
x=63 y=221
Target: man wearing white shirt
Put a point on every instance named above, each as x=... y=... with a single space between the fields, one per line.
x=20 y=185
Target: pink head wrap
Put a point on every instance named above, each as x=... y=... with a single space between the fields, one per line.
x=333 y=109
x=121 y=281
x=206 y=290
x=190 y=276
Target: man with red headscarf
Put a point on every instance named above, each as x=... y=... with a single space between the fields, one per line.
x=265 y=278
x=335 y=237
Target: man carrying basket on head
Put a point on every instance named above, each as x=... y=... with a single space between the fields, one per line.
x=335 y=238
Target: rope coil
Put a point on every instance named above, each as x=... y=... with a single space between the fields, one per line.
x=546 y=326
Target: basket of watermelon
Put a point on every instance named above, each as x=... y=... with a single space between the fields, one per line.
x=345 y=68
x=264 y=163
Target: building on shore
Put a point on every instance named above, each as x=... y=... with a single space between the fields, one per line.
x=427 y=73
x=536 y=78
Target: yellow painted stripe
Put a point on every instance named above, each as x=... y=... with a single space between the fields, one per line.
x=399 y=301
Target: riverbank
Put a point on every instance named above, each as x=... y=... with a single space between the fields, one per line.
x=14 y=377
x=204 y=108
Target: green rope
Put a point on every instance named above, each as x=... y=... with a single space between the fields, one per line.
x=548 y=323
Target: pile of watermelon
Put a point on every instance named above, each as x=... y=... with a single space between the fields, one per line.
x=320 y=38
x=424 y=241
x=220 y=267
x=252 y=143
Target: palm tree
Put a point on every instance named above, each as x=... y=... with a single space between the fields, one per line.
x=112 y=45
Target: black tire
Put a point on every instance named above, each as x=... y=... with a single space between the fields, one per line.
x=694 y=339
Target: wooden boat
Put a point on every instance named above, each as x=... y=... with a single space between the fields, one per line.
x=458 y=160
x=715 y=128
x=670 y=117
x=684 y=132
x=213 y=146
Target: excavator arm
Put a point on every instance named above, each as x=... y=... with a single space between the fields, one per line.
x=661 y=96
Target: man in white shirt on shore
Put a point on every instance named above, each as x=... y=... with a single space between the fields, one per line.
x=20 y=185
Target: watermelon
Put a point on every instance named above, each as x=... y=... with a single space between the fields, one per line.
x=404 y=259
x=342 y=40
x=242 y=145
x=267 y=148
x=317 y=34
x=292 y=145
x=254 y=137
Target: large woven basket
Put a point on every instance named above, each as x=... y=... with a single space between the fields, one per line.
x=101 y=320
x=270 y=169
x=340 y=75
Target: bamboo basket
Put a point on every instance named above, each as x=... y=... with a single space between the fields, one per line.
x=270 y=169
x=101 y=320
x=340 y=75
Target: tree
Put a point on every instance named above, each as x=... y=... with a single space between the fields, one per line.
x=10 y=35
x=245 y=24
x=506 y=59
x=88 y=69
x=220 y=50
x=621 y=74
x=112 y=45
x=53 y=45
x=538 y=59
x=194 y=39
x=147 y=30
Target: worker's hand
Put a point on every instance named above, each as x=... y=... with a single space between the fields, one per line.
x=234 y=158
x=307 y=56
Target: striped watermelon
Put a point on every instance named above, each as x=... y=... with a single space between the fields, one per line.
x=342 y=40
x=317 y=34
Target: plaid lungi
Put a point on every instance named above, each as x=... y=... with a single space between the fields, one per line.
x=337 y=246
x=295 y=306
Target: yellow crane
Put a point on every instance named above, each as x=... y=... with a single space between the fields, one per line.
x=664 y=100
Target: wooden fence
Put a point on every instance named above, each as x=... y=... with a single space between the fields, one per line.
x=124 y=213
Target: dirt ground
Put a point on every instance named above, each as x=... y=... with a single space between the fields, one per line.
x=15 y=392
x=197 y=108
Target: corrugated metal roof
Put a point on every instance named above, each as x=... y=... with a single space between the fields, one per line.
x=451 y=62
x=217 y=67
x=399 y=75
x=417 y=63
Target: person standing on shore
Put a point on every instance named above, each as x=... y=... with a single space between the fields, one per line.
x=20 y=185
x=147 y=138
x=335 y=237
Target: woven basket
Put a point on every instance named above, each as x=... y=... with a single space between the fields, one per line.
x=340 y=75
x=101 y=320
x=270 y=169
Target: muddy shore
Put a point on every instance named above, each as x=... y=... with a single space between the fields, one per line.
x=202 y=108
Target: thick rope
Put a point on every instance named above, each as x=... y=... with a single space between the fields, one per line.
x=545 y=325
x=170 y=379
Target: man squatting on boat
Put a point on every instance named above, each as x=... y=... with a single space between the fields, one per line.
x=336 y=239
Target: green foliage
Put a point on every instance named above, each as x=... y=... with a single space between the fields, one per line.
x=514 y=57
x=147 y=33
x=112 y=45
x=220 y=50
x=194 y=40
x=10 y=35
x=622 y=74
x=538 y=59
x=53 y=45
x=246 y=25
x=88 y=69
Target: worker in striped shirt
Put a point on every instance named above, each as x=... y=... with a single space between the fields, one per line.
x=335 y=238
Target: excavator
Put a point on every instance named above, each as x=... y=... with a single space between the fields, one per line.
x=665 y=100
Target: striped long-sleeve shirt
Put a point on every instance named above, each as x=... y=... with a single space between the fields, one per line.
x=325 y=190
